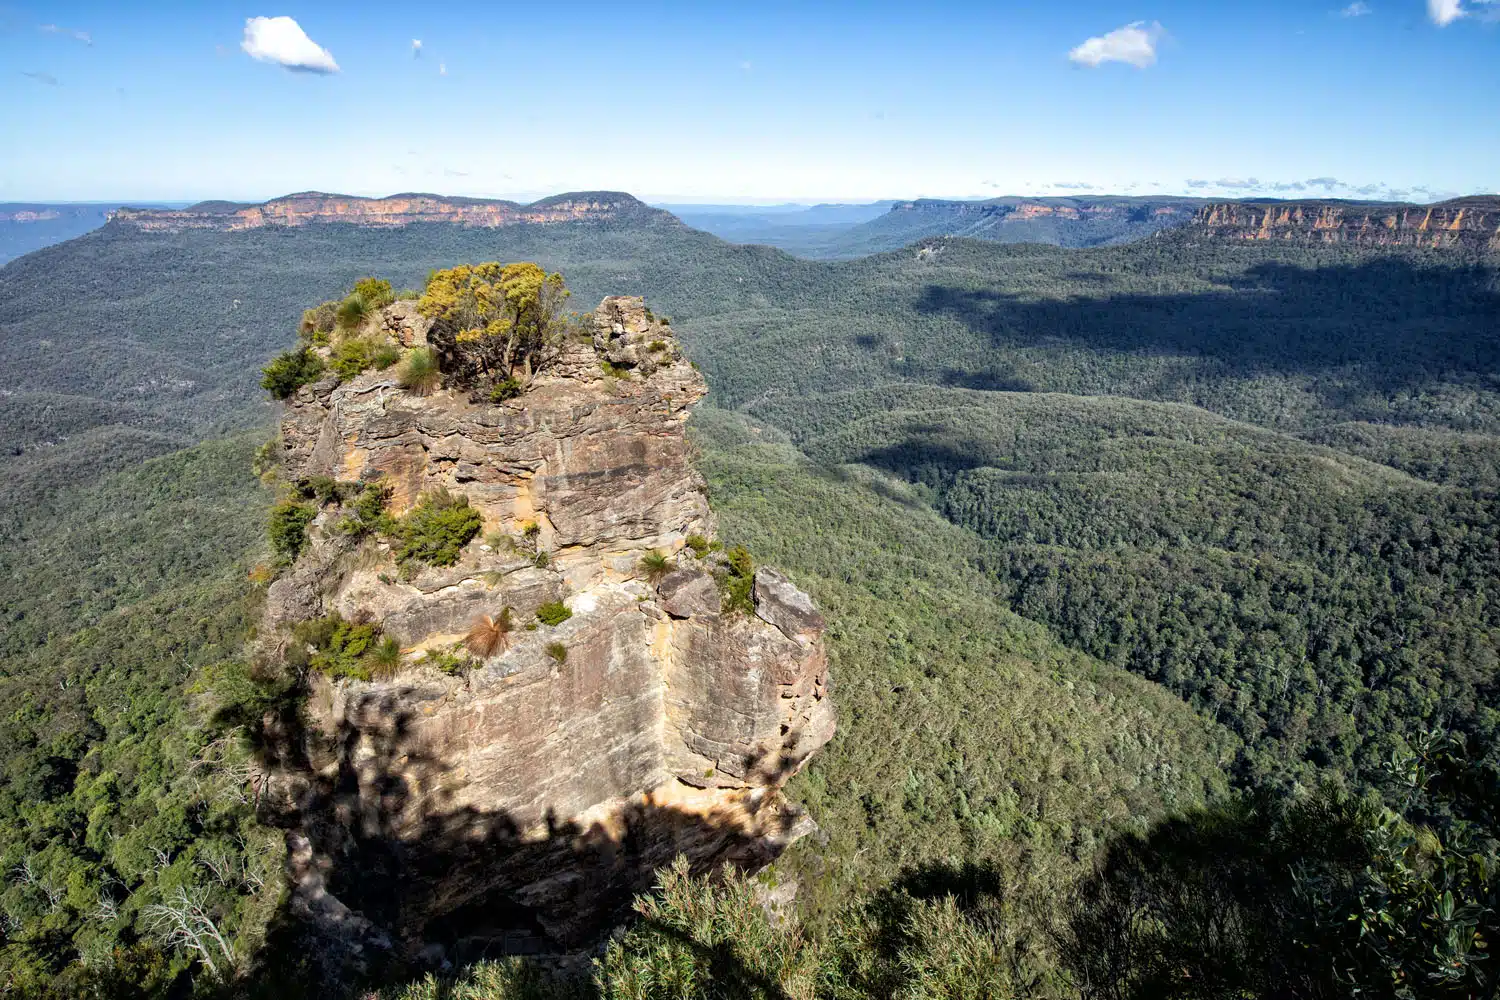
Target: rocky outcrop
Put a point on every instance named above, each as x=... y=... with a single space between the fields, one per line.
x=312 y=208
x=547 y=779
x=1471 y=223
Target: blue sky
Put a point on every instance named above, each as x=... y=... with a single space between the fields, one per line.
x=750 y=101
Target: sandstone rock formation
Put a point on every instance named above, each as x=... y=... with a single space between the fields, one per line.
x=312 y=208
x=1463 y=222
x=543 y=784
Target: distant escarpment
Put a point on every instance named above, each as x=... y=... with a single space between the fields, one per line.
x=1067 y=221
x=532 y=675
x=311 y=208
x=1472 y=223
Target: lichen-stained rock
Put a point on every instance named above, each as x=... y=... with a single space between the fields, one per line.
x=556 y=767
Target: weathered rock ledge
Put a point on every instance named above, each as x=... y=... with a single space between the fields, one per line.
x=424 y=805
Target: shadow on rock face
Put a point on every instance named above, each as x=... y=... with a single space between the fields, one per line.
x=387 y=875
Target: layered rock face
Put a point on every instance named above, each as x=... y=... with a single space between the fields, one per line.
x=398 y=210
x=551 y=777
x=1472 y=223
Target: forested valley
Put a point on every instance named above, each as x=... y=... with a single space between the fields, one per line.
x=1160 y=581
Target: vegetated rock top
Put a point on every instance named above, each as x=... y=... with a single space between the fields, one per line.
x=316 y=207
x=588 y=688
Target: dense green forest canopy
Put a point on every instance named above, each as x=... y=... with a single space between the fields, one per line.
x=1105 y=536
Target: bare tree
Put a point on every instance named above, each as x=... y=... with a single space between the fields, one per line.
x=240 y=776
x=183 y=921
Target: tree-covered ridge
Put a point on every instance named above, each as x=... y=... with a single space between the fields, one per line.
x=1319 y=605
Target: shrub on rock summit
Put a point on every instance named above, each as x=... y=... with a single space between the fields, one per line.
x=496 y=322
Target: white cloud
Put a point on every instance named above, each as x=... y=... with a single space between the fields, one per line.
x=54 y=29
x=1357 y=9
x=1134 y=44
x=1445 y=12
x=416 y=48
x=442 y=69
x=281 y=40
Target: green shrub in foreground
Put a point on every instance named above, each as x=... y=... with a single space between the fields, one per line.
x=290 y=371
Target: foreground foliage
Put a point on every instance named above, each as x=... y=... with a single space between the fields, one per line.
x=128 y=840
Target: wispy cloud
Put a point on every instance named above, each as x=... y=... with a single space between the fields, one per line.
x=416 y=48
x=1445 y=12
x=46 y=78
x=1135 y=45
x=1357 y=9
x=442 y=69
x=73 y=33
x=1315 y=187
x=281 y=40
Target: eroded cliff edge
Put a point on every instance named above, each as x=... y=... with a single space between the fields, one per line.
x=546 y=780
x=1470 y=223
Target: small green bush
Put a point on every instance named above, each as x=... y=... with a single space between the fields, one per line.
x=376 y=292
x=354 y=356
x=408 y=295
x=553 y=613
x=369 y=508
x=698 y=544
x=558 y=652
x=450 y=661
x=384 y=355
x=369 y=296
x=385 y=660
x=287 y=527
x=506 y=389
x=436 y=529
x=290 y=371
x=613 y=370
x=324 y=489
x=657 y=346
x=352 y=312
x=737 y=582
x=543 y=560
x=655 y=565
x=340 y=648
x=420 y=374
